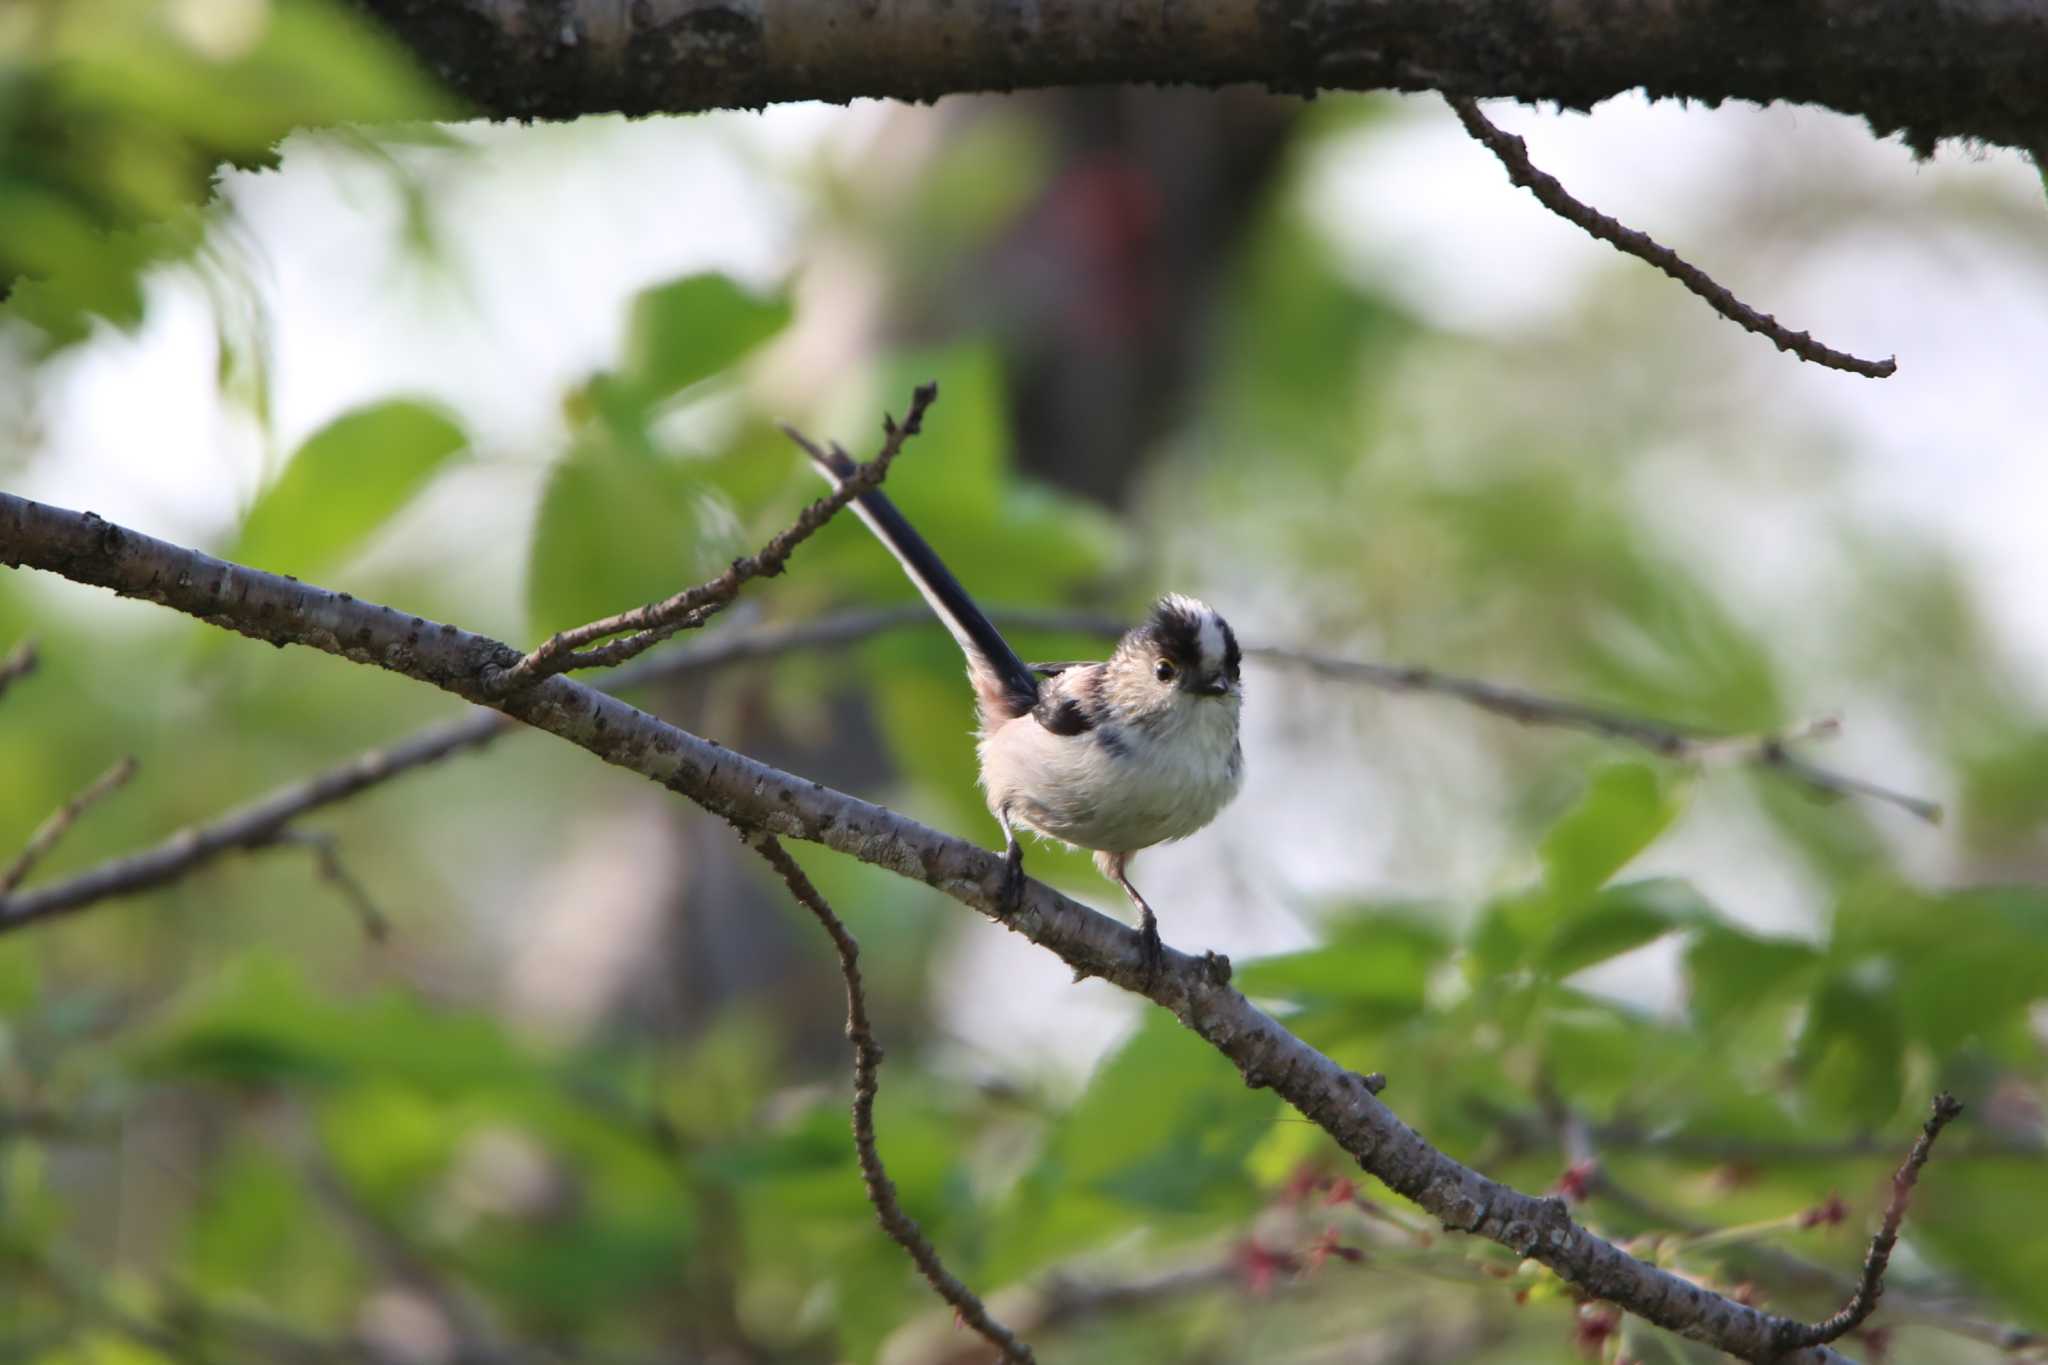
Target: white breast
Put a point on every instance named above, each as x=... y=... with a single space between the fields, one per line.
x=1117 y=789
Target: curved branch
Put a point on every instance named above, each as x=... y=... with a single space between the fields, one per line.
x=1965 y=68
x=1513 y=154
x=87 y=549
x=867 y=1080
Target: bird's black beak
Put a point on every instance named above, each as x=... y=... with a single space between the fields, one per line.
x=1218 y=686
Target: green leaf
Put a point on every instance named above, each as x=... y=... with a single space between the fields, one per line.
x=1376 y=963
x=1729 y=972
x=1967 y=964
x=1620 y=918
x=1850 y=1057
x=690 y=329
x=1984 y=1218
x=344 y=482
x=1163 y=1134
x=614 y=531
x=1624 y=809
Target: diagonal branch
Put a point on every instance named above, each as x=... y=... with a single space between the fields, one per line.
x=1514 y=155
x=691 y=608
x=265 y=823
x=60 y=822
x=755 y=796
x=257 y=825
x=867 y=1066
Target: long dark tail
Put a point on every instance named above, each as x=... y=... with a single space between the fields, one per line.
x=1005 y=685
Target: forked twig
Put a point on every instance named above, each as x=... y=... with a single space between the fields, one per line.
x=867 y=1062
x=645 y=627
x=327 y=858
x=1514 y=155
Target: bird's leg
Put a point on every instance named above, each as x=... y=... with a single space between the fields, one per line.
x=1112 y=866
x=1011 y=898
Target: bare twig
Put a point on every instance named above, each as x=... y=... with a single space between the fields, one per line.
x=1678 y=742
x=253 y=826
x=327 y=857
x=87 y=549
x=1588 y=1177
x=867 y=1063
x=691 y=608
x=1870 y=1286
x=1928 y=1308
x=19 y=663
x=1514 y=155
x=61 y=820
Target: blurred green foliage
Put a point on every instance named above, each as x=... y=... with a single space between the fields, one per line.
x=116 y=115
x=230 y=1130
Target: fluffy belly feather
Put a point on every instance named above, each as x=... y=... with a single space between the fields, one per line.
x=1116 y=793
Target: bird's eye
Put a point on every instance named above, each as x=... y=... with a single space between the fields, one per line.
x=1166 y=672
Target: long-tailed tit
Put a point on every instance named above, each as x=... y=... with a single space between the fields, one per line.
x=1114 y=756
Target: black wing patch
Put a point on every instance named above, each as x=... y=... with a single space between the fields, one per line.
x=1065 y=717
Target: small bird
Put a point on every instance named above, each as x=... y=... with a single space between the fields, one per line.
x=1115 y=756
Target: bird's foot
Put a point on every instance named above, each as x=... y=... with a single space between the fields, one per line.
x=1151 y=952
x=1010 y=898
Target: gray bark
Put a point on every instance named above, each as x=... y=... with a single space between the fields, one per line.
x=1929 y=69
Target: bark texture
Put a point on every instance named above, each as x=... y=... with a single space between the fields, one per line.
x=1929 y=69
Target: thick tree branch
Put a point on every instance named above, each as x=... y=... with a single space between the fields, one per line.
x=1965 y=68
x=87 y=549
x=1513 y=154
x=867 y=1069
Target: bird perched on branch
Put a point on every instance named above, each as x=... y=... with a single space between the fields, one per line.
x=1115 y=756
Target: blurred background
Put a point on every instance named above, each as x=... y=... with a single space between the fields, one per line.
x=1317 y=362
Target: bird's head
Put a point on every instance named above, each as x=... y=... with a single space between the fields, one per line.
x=1183 y=656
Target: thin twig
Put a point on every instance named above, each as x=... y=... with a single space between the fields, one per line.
x=19 y=663
x=1588 y=1175
x=1870 y=1287
x=1514 y=155
x=327 y=857
x=61 y=820
x=254 y=826
x=691 y=608
x=867 y=1062
x=1663 y=738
